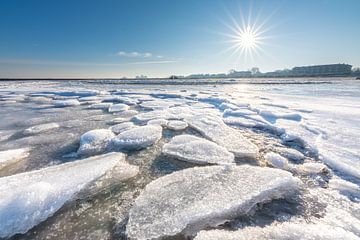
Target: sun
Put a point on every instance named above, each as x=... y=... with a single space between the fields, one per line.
x=247 y=39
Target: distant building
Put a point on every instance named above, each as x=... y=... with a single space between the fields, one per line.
x=330 y=70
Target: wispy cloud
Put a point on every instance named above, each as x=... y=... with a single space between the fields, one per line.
x=136 y=54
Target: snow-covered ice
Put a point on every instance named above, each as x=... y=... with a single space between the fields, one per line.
x=176 y=125
x=137 y=138
x=190 y=200
x=95 y=142
x=66 y=103
x=29 y=198
x=197 y=150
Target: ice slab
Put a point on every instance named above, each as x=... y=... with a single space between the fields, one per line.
x=95 y=141
x=176 y=125
x=40 y=128
x=216 y=130
x=159 y=122
x=189 y=200
x=197 y=150
x=118 y=107
x=127 y=113
x=100 y=106
x=29 y=198
x=285 y=231
x=121 y=127
x=66 y=103
x=291 y=154
x=137 y=138
x=12 y=156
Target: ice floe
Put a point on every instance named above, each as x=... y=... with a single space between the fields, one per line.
x=137 y=138
x=100 y=106
x=291 y=154
x=189 y=200
x=284 y=231
x=216 y=130
x=12 y=156
x=66 y=103
x=95 y=142
x=197 y=150
x=30 y=198
x=40 y=128
x=118 y=107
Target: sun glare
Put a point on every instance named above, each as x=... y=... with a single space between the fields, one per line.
x=246 y=36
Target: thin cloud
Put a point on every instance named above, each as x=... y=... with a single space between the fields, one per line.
x=134 y=54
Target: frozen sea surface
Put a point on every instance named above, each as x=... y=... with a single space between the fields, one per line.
x=310 y=129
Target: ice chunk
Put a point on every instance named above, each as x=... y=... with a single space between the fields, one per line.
x=118 y=107
x=40 y=128
x=239 y=112
x=177 y=125
x=11 y=156
x=272 y=116
x=100 y=106
x=284 y=231
x=216 y=130
x=312 y=168
x=190 y=200
x=118 y=128
x=157 y=104
x=347 y=188
x=66 y=103
x=292 y=154
x=95 y=141
x=242 y=122
x=137 y=138
x=29 y=198
x=127 y=113
x=197 y=150
x=275 y=160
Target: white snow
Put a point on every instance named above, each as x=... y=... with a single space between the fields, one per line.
x=66 y=103
x=95 y=141
x=284 y=231
x=291 y=154
x=126 y=114
x=40 y=128
x=216 y=130
x=176 y=125
x=197 y=150
x=189 y=200
x=118 y=128
x=118 y=107
x=160 y=122
x=12 y=156
x=29 y=198
x=137 y=138
x=275 y=160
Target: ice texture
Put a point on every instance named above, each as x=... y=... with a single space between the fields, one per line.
x=95 y=141
x=29 y=198
x=40 y=128
x=216 y=130
x=197 y=150
x=137 y=138
x=118 y=107
x=189 y=200
x=285 y=231
x=12 y=156
x=100 y=106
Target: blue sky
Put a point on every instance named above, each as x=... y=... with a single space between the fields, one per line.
x=93 y=38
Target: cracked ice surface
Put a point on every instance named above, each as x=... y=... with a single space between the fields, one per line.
x=189 y=200
x=197 y=150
